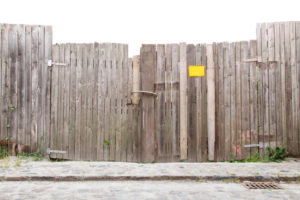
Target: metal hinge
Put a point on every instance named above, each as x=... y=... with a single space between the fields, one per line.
x=260 y=145
x=54 y=151
x=50 y=63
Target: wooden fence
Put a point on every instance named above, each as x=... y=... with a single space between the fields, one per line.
x=24 y=86
x=95 y=103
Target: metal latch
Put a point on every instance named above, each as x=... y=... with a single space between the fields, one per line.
x=54 y=151
x=50 y=63
x=260 y=145
x=146 y=92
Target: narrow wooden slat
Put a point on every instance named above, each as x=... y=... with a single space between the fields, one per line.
x=233 y=121
x=294 y=90
x=66 y=103
x=253 y=98
x=94 y=85
x=148 y=65
x=259 y=47
x=34 y=88
x=192 y=109
x=183 y=101
x=160 y=102
x=220 y=112
x=288 y=89
x=79 y=85
x=298 y=81
x=21 y=84
x=126 y=147
x=83 y=127
x=1 y=86
x=227 y=103
x=199 y=101
x=175 y=101
x=113 y=115
x=238 y=102
x=47 y=85
x=118 y=98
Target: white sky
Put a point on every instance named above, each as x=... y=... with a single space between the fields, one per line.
x=149 y=21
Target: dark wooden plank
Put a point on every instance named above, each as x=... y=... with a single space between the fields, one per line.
x=148 y=65
x=238 y=147
x=220 y=121
x=227 y=103
x=192 y=109
x=233 y=121
x=66 y=104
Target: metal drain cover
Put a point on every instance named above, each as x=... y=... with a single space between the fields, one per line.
x=261 y=185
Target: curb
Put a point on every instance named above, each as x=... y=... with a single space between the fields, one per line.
x=152 y=178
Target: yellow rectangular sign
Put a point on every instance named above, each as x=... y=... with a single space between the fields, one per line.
x=196 y=70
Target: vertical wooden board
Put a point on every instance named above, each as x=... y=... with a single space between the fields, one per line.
x=70 y=60
x=28 y=86
x=12 y=62
x=148 y=65
x=288 y=88
x=220 y=112
x=175 y=101
x=233 y=119
x=67 y=129
x=192 y=109
x=278 y=97
x=101 y=102
x=294 y=89
x=259 y=42
x=199 y=101
x=34 y=87
x=260 y=106
x=272 y=84
x=253 y=97
x=107 y=102
x=126 y=148
x=113 y=103
x=238 y=147
x=283 y=85
x=1 y=93
x=89 y=118
x=94 y=85
x=160 y=102
x=21 y=83
x=77 y=50
x=47 y=79
x=298 y=81
x=264 y=42
x=118 y=88
x=204 y=131
x=168 y=98
x=41 y=83
x=227 y=103
x=83 y=131
x=54 y=98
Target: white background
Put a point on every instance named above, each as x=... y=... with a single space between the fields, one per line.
x=154 y=21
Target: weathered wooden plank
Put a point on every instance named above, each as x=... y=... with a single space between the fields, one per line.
x=294 y=91
x=238 y=147
x=148 y=65
x=83 y=127
x=227 y=103
x=89 y=114
x=113 y=116
x=101 y=102
x=298 y=81
x=47 y=79
x=21 y=83
x=70 y=60
x=199 y=101
x=220 y=112
x=78 y=50
x=253 y=97
x=94 y=85
x=259 y=43
x=118 y=98
x=211 y=102
x=175 y=101
x=272 y=84
x=126 y=147
x=160 y=102
x=283 y=85
x=192 y=109
x=28 y=85
x=233 y=114
x=264 y=42
x=288 y=89
x=1 y=86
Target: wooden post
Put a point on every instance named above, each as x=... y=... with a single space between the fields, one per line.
x=135 y=79
x=211 y=102
x=183 y=102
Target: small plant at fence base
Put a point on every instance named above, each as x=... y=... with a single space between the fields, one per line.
x=277 y=154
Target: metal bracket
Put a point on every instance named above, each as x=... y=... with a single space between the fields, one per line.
x=50 y=63
x=145 y=92
x=260 y=145
x=54 y=151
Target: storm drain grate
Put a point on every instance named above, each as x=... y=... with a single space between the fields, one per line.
x=261 y=185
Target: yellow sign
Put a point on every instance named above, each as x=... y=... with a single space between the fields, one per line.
x=196 y=70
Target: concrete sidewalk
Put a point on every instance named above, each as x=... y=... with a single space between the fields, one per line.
x=14 y=169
